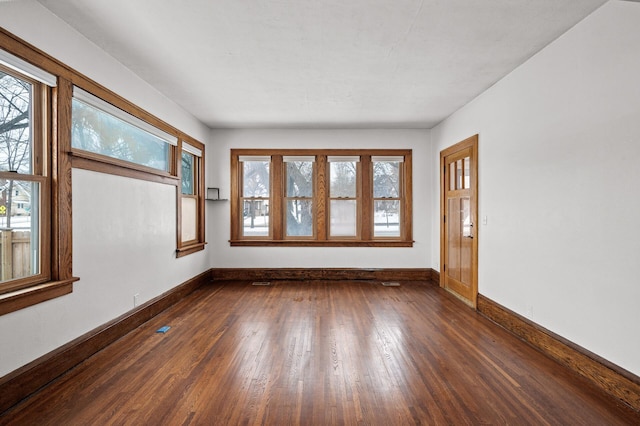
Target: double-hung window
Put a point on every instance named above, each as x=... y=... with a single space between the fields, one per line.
x=191 y=207
x=343 y=196
x=255 y=197
x=305 y=197
x=299 y=206
x=108 y=139
x=27 y=273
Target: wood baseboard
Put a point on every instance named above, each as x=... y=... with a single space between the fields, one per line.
x=611 y=378
x=327 y=274
x=19 y=384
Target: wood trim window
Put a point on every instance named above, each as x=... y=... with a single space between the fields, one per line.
x=35 y=185
x=191 y=195
x=306 y=197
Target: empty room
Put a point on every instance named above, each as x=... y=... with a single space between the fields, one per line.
x=319 y=212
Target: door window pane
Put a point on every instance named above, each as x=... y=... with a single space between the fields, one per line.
x=467 y=172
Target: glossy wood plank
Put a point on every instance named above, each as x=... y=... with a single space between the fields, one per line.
x=320 y=353
x=611 y=378
x=21 y=383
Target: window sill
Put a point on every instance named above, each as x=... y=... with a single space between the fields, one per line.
x=19 y=299
x=192 y=248
x=314 y=243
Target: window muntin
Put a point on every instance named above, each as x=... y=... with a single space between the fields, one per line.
x=255 y=197
x=387 y=206
x=24 y=204
x=299 y=213
x=342 y=207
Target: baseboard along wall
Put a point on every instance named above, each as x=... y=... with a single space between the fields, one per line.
x=28 y=379
x=612 y=379
x=19 y=384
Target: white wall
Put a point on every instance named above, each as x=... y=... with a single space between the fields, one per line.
x=224 y=256
x=124 y=230
x=559 y=144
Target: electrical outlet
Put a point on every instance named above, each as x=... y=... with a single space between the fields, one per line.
x=136 y=299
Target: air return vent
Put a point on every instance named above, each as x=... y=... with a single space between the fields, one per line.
x=261 y=283
x=391 y=284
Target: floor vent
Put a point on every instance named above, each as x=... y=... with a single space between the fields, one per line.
x=261 y=283
x=391 y=284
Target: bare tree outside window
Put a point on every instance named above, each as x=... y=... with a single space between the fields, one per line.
x=15 y=142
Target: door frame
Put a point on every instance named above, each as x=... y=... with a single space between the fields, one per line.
x=471 y=142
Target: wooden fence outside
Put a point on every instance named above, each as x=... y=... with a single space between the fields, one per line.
x=16 y=261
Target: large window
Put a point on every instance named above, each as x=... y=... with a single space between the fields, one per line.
x=28 y=240
x=100 y=128
x=321 y=197
x=108 y=139
x=191 y=206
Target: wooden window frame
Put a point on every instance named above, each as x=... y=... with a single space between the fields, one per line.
x=59 y=158
x=192 y=246
x=286 y=199
x=51 y=146
x=321 y=200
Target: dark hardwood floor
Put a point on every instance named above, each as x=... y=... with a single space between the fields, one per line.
x=317 y=353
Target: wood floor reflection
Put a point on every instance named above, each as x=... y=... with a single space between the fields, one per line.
x=319 y=353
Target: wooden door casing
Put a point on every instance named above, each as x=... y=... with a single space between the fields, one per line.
x=459 y=219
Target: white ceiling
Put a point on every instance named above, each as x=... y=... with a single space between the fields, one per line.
x=322 y=63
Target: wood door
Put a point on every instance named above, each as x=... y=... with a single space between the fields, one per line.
x=458 y=220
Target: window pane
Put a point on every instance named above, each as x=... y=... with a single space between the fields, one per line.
x=386 y=179
x=15 y=124
x=467 y=172
x=255 y=218
x=299 y=179
x=386 y=218
x=189 y=215
x=343 y=179
x=255 y=182
x=299 y=218
x=19 y=233
x=188 y=161
x=343 y=218
x=96 y=131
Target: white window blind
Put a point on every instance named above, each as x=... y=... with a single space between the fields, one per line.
x=293 y=158
x=345 y=158
x=24 y=67
x=254 y=158
x=391 y=159
x=191 y=149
